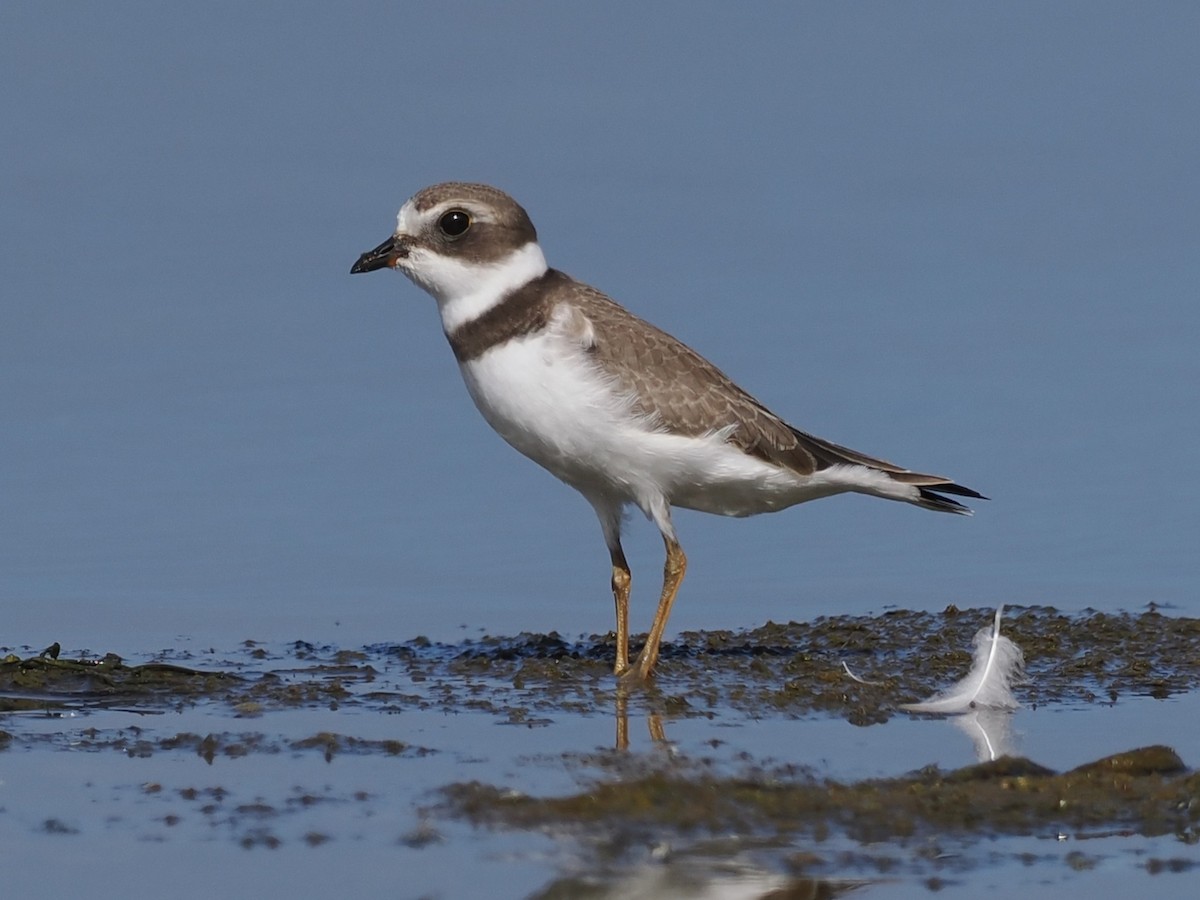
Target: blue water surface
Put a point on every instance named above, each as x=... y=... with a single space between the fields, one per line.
x=960 y=237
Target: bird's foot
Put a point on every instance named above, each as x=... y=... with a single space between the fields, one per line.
x=640 y=674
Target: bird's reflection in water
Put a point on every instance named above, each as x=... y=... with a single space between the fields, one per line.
x=694 y=876
x=654 y=718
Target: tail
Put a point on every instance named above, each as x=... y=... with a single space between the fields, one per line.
x=930 y=498
x=929 y=487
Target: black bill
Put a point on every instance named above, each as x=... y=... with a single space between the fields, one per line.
x=382 y=257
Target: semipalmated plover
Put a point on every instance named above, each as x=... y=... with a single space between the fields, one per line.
x=619 y=410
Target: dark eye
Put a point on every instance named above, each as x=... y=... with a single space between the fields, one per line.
x=454 y=223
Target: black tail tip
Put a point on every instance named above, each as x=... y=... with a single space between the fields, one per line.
x=931 y=498
x=958 y=490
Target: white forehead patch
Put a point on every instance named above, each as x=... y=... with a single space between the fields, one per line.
x=408 y=219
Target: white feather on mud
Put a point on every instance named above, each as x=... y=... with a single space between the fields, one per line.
x=997 y=666
x=856 y=678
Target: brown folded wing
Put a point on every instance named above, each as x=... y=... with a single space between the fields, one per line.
x=686 y=394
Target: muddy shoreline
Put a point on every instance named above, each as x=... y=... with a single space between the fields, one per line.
x=626 y=801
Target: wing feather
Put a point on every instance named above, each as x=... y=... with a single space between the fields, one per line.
x=685 y=393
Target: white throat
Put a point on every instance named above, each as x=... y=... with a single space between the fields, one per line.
x=463 y=290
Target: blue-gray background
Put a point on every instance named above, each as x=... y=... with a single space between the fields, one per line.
x=959 y=236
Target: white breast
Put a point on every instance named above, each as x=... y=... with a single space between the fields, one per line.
x=547 y=398
x=544 y=397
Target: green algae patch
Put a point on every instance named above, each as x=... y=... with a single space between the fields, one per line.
x=331 y=744
x=1147 y=791
x=141 y=743
x=45 y=675
x=860 y=668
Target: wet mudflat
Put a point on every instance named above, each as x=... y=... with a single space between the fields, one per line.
x=775 y=761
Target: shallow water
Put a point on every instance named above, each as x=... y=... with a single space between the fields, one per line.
x=345 y=768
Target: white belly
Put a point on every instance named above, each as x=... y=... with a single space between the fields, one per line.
x=548 y=400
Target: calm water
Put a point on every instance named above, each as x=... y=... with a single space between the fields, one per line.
x=104 y=795
x=958 y=238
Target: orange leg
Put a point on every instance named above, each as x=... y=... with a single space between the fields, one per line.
x=621 y=581
x=673 y=571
